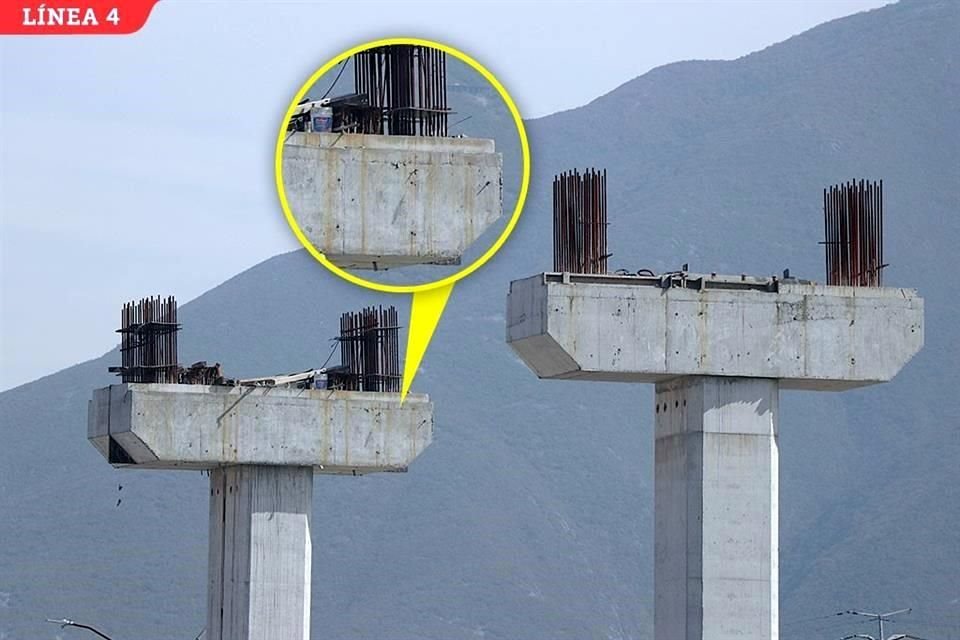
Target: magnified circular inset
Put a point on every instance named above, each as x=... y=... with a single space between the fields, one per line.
x=394 y=163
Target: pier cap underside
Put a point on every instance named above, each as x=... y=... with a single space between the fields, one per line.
x=175 y=426
x=375 y=201
x=633 y=329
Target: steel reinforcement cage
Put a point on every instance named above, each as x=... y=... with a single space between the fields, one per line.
x=580 y=222
x=148 y=341
x=853 y=233
x=370 y=350
x=406 y=91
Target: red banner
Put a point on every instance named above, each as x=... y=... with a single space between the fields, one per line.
x=76 y=17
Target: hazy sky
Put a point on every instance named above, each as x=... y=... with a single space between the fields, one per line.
x=137 y=165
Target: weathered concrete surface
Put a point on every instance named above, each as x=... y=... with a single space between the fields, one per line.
x=622 y=328
x=716 y=512
x=369 y=201
x=259 y=553
x=171 y=426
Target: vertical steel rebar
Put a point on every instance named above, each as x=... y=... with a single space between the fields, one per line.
x=406 y=89
x=148 y=341
x=853 y=233
x=580 y=222
x=370 y=351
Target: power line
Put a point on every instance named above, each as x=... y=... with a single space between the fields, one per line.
x=813 y=618
x=822 y=626
x=880 y=618
x=64 y=623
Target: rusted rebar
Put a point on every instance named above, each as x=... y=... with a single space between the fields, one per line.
x=370 y=350
x=580 y=222
x=148 y=341
x=853 y=233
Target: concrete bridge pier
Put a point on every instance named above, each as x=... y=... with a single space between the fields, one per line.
x=260 y=552
x=716 y=486
x=718 y=350
x=262 y=446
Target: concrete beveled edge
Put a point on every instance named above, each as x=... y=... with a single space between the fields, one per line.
x=325 y=470
x=383 y=262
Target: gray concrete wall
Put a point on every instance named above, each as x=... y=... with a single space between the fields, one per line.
x=367 y=200
x=259 y=553
x=622 y=329
x=716 y=512
x=167 y=426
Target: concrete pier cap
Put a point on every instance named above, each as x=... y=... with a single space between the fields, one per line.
x=633 y=329
x=176 y=426
x=376 y=201
x=718 y=349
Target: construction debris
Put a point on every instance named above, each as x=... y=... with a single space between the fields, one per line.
x=853 y=233
x=580 y=222
x=200 y=373
x=325 y=378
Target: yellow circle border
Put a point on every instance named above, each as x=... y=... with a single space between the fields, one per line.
x=426 y=286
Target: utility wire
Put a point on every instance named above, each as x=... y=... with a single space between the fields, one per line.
x=343 y=65
x=332 y=351
x=64 y=623
x=813 y=618
x=460 y=121
x=70 y=623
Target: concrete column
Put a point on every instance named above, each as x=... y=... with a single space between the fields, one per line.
x=260 y=553
x=716 y=515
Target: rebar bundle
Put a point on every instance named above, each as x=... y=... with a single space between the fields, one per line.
x=148 y=341
x=406 y=90
x=370 y=350
x=580 y=222
x=853 y=233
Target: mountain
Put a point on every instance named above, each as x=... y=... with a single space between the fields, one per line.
x=531 y=514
